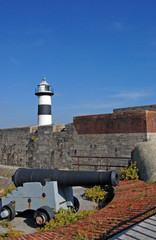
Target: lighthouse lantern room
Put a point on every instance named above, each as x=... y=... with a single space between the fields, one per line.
x=44 y=93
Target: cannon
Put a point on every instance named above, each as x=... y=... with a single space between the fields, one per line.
x=44 y=190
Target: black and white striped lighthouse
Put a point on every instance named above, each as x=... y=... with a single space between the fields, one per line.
x=44 y=93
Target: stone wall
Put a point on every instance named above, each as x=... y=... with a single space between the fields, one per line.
x=107 y=145
x=36 y=146
x=47 y=149
x=95 y=139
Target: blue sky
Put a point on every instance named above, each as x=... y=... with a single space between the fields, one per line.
x=96 y=54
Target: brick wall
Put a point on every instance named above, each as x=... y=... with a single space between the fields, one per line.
x=151 y=121
x=124 y=122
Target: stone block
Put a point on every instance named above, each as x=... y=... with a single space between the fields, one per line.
x=145 y=156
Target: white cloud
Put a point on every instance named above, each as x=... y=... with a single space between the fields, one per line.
x=13 y=60
x=36 y=43
x=40 y=31
x=131 y=95
x=117 y=26
x=90 y=106
x=153 y=43
x=105 y=104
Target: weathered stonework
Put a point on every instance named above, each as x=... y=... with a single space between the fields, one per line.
x=57 y=149
x=92 y=137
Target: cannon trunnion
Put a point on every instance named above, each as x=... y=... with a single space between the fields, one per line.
x=42 y=190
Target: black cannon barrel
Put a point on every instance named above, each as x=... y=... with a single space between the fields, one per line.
x=65 y=178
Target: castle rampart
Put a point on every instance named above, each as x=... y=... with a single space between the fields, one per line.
x=56 y=146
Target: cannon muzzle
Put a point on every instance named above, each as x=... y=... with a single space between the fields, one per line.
x=65 y=178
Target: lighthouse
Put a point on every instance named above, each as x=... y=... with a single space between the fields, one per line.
x=44 y=93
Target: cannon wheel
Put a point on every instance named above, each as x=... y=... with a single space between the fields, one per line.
x=43 y=215
x=11 y=211
x=76 y=204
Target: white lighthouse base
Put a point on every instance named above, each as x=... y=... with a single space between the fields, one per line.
x=44 y=120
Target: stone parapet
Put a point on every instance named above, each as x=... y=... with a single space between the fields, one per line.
x=137 y=108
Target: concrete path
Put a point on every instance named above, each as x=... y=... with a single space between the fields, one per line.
x=25 y=222
x=84 y=204
x=144 y=230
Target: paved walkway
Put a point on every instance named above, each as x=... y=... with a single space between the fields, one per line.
x=142 y=231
